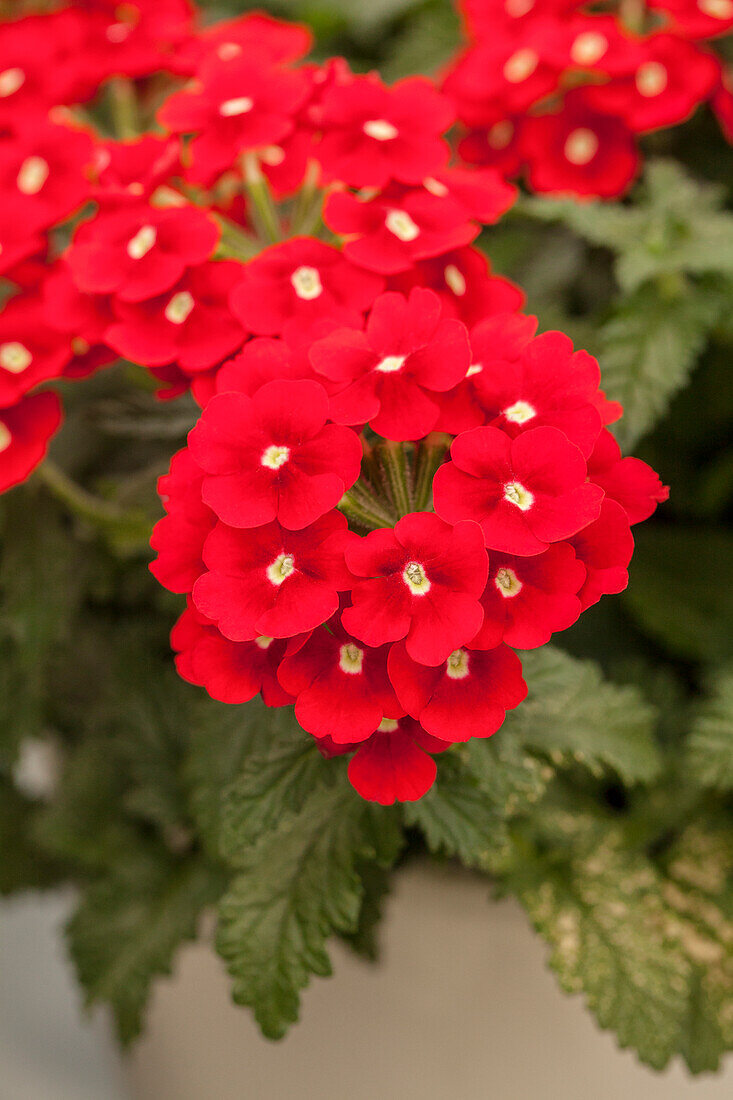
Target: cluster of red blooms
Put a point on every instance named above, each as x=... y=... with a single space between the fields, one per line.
x=561 y=93
x=393 y=483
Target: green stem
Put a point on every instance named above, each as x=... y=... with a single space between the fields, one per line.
x=78 y=501
x=309 y=204
x=430 y=455
x=394 y=463
x=365 y=508
x=124 y=107
x=262 y=208
x=235 y=243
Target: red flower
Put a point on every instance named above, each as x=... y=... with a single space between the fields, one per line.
x=546 y=384
x=140 y=252
x=669 y=80
x=527 y=600
x=389 y=232
x=232 y=672
x=129 y=171
x=25 y=431
x=273 y=582
x=43 y=173
x=179 y=537
x=424 y=580
x=273 y=456
x=239 y=104
x=605 y=548
x=636 y=487
x=393 y=765
x=495 y=343
x=525 y=493
x=255 y=34
x=342 y=688
x=36 y=66
x=697 y=18
x=190 y=324
x=292 y=285
x=261 y=360
x=579 y=150
x=389 y=375
x=497 y=143
x=30 y=352
x=465 y=285
x=465 y=697
x=512 y=71
x=373 y=134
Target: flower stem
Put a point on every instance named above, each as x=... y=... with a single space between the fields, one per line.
x=365 y=508
x=396 y=468
x=124 y=107
x=77 y=500
x=430 y=455
x=309 y=204
x=262 y=208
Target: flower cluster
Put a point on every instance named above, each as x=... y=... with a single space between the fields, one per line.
x=393 y=483
x=560 y=90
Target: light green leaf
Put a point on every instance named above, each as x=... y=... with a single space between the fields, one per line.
x=710 y=745
x=571 y=711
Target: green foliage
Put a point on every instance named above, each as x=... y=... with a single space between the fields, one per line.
x=297 y=833
x=710 y=745
x=129 y=924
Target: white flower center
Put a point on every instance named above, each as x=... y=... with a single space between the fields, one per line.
x=5 y=437
x=588 y=48
x=380 y=130
x=179 y=308
x=521 y=65
x=79 y=346
x=387 y=725
x=500 y=134
x=651 y=79
x=139 y=245
x=264 y=642
x=517 y=494
x=272 y=155
x=401 y=225
x=228 y=50
x=716 y=9
x=435 y=187
x=307 y=283
x=15 y=357
x=455 y=280
x=457 y=664
x=391 y=364
x=274 y=457
x=508 y=583
x=118 y=32
x=581 y=146
x=10 y=81
x=475 y=368
x=230 y=108
x=280 y=569
x=351 y=658
x=414 y=577
x=520 y=412
x=32 y=175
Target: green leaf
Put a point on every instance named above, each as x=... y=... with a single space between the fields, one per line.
x=681 y=590
x=649 y=346
x=710 y=745
x=298 y=835
x=40 y=587
x=571 y=711
x=23 y=865
x=602 y=912
x=129 y=924
x=298 y=885
x=375 y=882
x=458 y=817
x=699 y=893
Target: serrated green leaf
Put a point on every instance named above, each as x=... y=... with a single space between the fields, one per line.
x=298 y=885
x=649 y=347
x=602 y=912
x=681 y=590
x=129 y=924
x=375 y=882
x=710 y=745
x=571 y=711
x=23 y=865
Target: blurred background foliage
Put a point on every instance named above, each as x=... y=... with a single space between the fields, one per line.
x=605 y=804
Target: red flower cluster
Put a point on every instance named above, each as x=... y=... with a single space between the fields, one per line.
x=297 y=251
x=560 y=90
